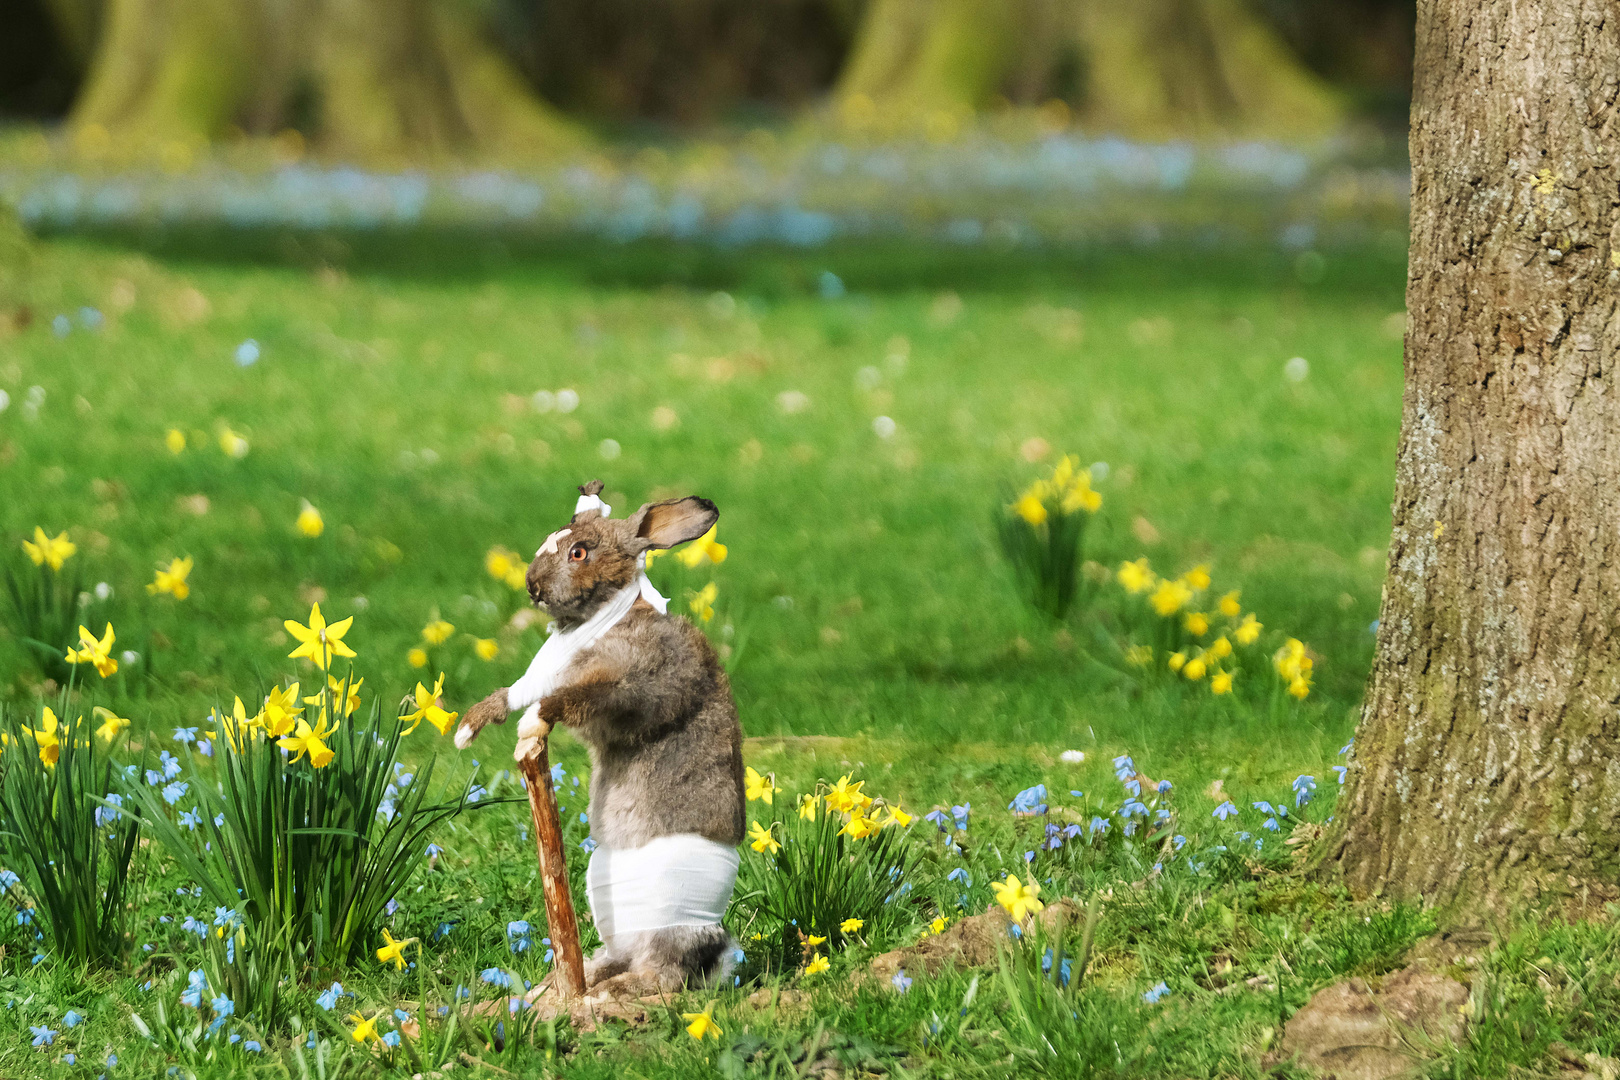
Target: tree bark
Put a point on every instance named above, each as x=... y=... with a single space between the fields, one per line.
x=1486 y=771
x=1147 y=68
x=378 y=80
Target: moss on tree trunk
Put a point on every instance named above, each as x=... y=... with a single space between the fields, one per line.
x=1150 y=68
x=1487 y=762
x=380 y=80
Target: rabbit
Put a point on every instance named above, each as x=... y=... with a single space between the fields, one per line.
x=654 y=707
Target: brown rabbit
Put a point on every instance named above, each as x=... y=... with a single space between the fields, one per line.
x=650 y=701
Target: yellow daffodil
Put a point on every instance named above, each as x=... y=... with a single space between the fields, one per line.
x=49 y=551
x=364 y=1030
x=172 y=579
x=937 y=926
x=428 y=708
x=703 y=549
x=702 y=602
x=1220 y=648
x=760 y=787
x=807 y=807
x=50 y=747
x=1195 y=668
x=859 y=827
x=111 y=724
x=1248 y=631
x=762 y=840
x=175 y=440
x=1220 y=682
x=817 y=965
x=844 y=796
x=1291 y=660
x=498 y=562
x=700 y=1025
x=1030 y=508
x=1139 y=655
x=310 y=522
x=311 y=741
x=1300 y=686
x=1018 y=898
x=417 y=657
x=850 y=926
x=392 y=951
x=1196 y=622
x=318 y=641
x=95 y=652
x=1170 y=597
x=238 y=724
x=486 y=648
x=812 y=940
x=232 y=444
x=281 y=711
x=1074 y=485
x=1197 y=578
x=898 y=817
x=1229 y=605
x=1136 y=577
x=437 y=632
x=335 y=685
x=1177 y=661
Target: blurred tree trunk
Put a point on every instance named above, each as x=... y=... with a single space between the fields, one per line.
x=375 y=79
x=1487 y=763
x=1150 y=68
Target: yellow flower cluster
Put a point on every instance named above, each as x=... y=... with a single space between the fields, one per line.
x=1067 y=491
x=50 y=551
x=1173 y=598
x=507 y=566
x=94 y=651
x=845 y=797
x=705 y=549
x=172 y=579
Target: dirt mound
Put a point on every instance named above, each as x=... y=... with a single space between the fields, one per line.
x=1378 y=1030
x=969 y=943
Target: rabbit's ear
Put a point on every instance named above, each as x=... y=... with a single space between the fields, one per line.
x=665 y=524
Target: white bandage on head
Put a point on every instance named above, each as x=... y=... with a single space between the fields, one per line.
x=593 y=502
x=550 y=546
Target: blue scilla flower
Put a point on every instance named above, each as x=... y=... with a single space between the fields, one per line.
x=495 y=977
x=8 y=879
x=1341 y=770
x=517 y=936
x=25 y=916
x=310 y=1042
x=1152 y=996
x=938 y=818
x=253 y=1046
x=1179 y=840
x=1124 y=767
x=1271 y=823
x=1226 y=810
x=185 y=735
x=960 y=874
x=153 y=777
x=1029 y=801
x=172 y=793
x=433 y=849
x=1096 y=825
x=901 y=981
x=1164 y=786
x=1133 y=808
x=247 y=353
x=43 y=1036
x=223 y=1008
x=105 y=815
x=961 y=814
x=205 y=747
x=1347 y=747
x=196 y=986
x=587 y=844
x=1264 y=807
x=390 y=1038
x=71 y=1019
x=1304 y=788
x=327 y=999
x=557 y=772
x=191 y=818
x=401 y=1015
x=171 y=765
x=1076 y=794
x=443 y=931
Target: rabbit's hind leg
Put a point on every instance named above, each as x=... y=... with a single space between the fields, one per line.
x=610 y=960
x=685 y=955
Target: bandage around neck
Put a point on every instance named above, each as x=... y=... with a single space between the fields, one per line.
x=679 y=880
x=544 y=675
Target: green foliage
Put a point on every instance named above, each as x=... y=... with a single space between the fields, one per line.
x=44 y=613
x=304 y=851
x=60 y=833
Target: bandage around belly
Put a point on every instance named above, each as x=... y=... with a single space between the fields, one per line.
x=680 y=880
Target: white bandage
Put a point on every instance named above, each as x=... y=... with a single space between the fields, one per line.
x=680 y=880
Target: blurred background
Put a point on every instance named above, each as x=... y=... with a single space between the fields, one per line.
x=674 y=117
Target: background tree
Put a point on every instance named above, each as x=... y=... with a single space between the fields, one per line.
x=1487 y=763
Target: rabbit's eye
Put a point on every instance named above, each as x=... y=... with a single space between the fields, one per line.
x=577 y=553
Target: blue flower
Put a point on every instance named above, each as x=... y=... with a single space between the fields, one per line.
x=1096 y=825
x=191 y=818
x=223 y=1007
x=1029 y=856
x=171 y=765
x=205 y=747
x=443 y=931
x=25 y=916
x=587 y=844
x=1224 y=811
x=105 y=816
x=253 y=1045
x=961 y=814
x=477 y=792
x=219 y=821
x=1029 y=801
x=1264 y=807
x=227 y=918
x=1271 y=823
x=1133 y=787
x=390 y=1038
x=247 y=353
x=71 y=1019
x=1341 y=770
x=557 y=771
x=938 y=818
x=8 y=879
x=1076 y=794
x=1152 y=996
x=327 y=999
x=112 y=1059
x=901 y=981
x=1124 y=767
x=960 y=874
x=517 y=936
x=1347 y=747
x=70 y=1058
x=185 y=734
x=1304 y=788
x=392 y=906
x=172 y=793
x=309 y=1043
x=1071 y=831
x=153 y=777
x=1160 y=816
x=1179 y=841
x=495 y=977
x=401 y=1015
x=196 y=986
x=1133 y=808
x=433 y=849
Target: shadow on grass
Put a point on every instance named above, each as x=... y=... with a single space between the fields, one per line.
x=864 y=265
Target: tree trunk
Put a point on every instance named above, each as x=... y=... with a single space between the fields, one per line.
x=379 y=80
x=1147 y=68
x=1487 y=764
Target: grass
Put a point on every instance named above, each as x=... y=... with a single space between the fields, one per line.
x=871 y=624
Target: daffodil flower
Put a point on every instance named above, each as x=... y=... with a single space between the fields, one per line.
x=172 y=579
x=364 y=1030
x=859 y=826
x=351 y=702
x=1221 y=682
x=318 y=641
x=898 y=817
x=486 y=648
x=760 y=787
x=95 y=652
x=175 y=440
x=701 y=1024
x=239 y=724
x=807 y=807
x=1017 y=898
x=1030 y=508
x=844 y=796
x=703 y=549
x=763 y=841
x=1248 y=630
x=393 y=951
x=437 y=632
x=311 y=741
x=1170 y=597
x=281 y=711
x=310 y=522
x=702 y=602
x=428 y=708
x=1136 y=577
x=817 y=965
x=812 y=940
x=50 y=551
x=1229 y=605
x=111 y=724
x=50 y=747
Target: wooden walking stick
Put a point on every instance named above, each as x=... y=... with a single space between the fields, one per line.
x=568 y=974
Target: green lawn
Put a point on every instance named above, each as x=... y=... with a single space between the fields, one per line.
x=869 y=621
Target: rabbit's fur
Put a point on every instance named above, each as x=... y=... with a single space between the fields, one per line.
x=653 y=706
